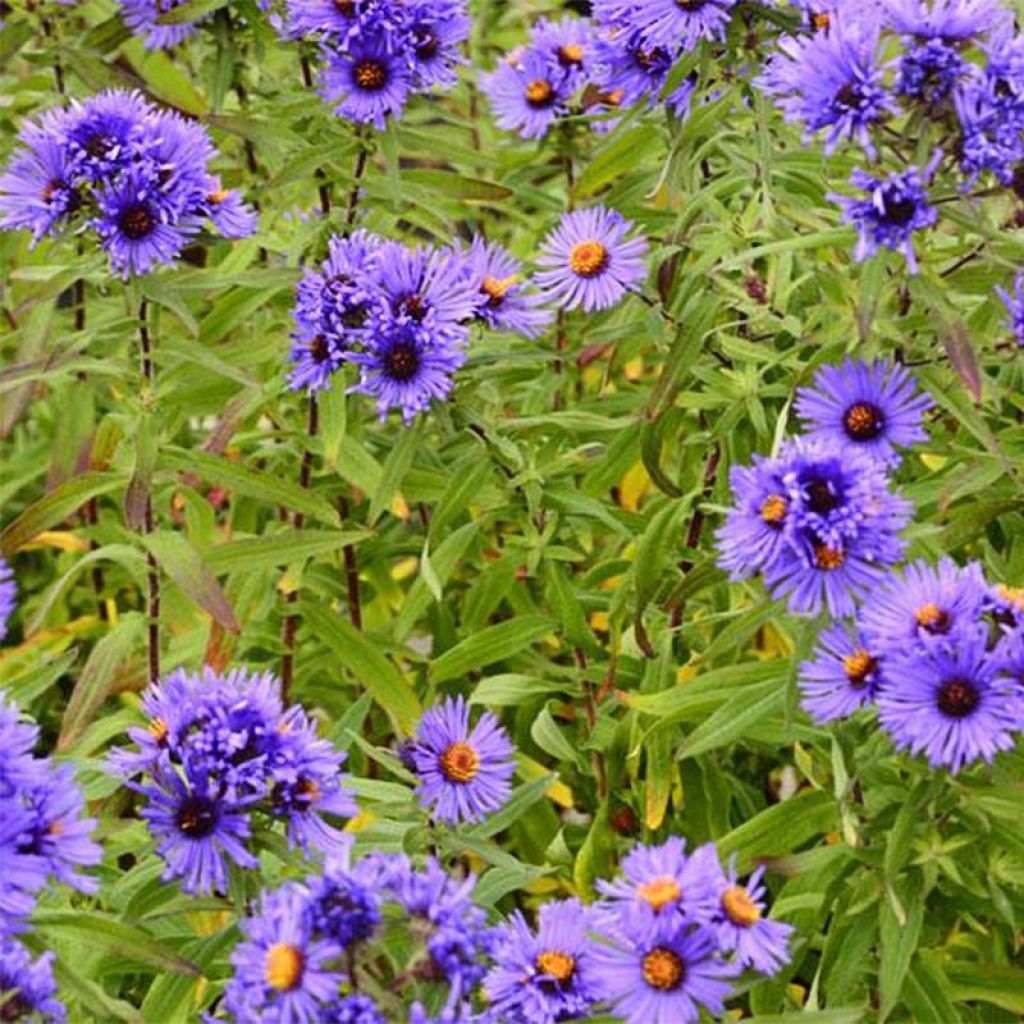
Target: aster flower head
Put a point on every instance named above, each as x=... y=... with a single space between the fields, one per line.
x=831 y=82
x=629 y=71
x=283 y=971
x=435 y=32
x=368 y=83
x=990 y=141
x=671 y=24
x=665 y=977
x=929 y=71
x=590 y=261
x=345 y=901
x=872 y=407
x=743 y=930
x=925 y=604
x=527 y=91
x=503 y=304
x=100 y=132
x=946 y=20
x=892 y=210
x=547 y=975
x=950 y=703
x=28 y=990
x=8 y=596
x=570 y=45
x=140 y=16
x=844 y=674
x=464 y=773
x=1014 y=303
x=351 y=1009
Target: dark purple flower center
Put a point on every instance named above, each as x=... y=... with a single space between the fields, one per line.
x=402 y=362
x=1017 y=184
x=414 y=307
x=863 y=421
x=346 y=8
x=370 y=75
x=136 y=221
x=849 y=97
x=692 y=5
x=197 y=817
x=97 y=145
x=957 y=698
x=899 y=210
x=16 y=1007
x=318 y=349
x=821 y=498
x=647 y=59
x=427 y=43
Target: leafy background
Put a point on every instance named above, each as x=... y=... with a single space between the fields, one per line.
x=544 y=543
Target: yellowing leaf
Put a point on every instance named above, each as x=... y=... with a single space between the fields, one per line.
x=400 y=508
x=61 y=539
x=634 y=369
x=633 y=486
x=405 y=568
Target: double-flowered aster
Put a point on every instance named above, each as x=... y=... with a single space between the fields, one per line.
x=44 y=836
x=221 y=754
x=143 y=18
x=28 y=991
x=8 y=596
x=1014 y=303
x=464 y=772
x=138 y=176
x=404 y=316
x=376 y=54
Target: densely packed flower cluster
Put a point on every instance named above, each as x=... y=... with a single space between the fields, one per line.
x=403 y=316
x=665 y=941
x=8 y=596
x=136 y=175
x=44 y=839
x=819 y=520
x=144 y=18
x=379 y=53
x=221 y=753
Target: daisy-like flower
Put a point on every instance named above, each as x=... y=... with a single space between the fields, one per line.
x=743 y=930
x=874 y=407
x=832 y=82
x=37 y=190
x=352 y=1009
x=545 y=976
x=141 y=18
x=754 y=533
x=27 y=988
x=8 y=596
x=100 y=132
x=503 y=304
x=671 y=24
x=403 y=373
x=659 y=882
x=527 y=92
x=198 y=831
x=315 y=360
x=346 y=899
x=949 y=703
x=368 y=83
x=990 y=141
x=629 y=71
x=435 y=30
x=924 y=603
x=843 y=676
x=590 y=261
x=464 y=773
x=893 y=209
x=948 y=20
x=929 y=71
x=666 y=977
x=283 y=972
x=571 y=47
x=1014 y=302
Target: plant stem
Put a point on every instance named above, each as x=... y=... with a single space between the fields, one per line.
x=323 y=188
x=153 y=612
x=353 y=196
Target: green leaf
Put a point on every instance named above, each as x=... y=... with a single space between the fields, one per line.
x=745 y=709
x=997 y=984
x=898 y=944
x=284 y=548
x=495 y=643
x=192 y=11
x=781 y=828
x=395 y=467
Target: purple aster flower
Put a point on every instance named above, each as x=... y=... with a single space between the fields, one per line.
x=948 y=20
x=948 y=702
x=1014 y=306
x=8 y=597
x=894 y=208
x=929 y=71
x=843 y=676
x=403 y=373
x=831 y=81
x=667 y=23
x=1006 y=606
x=135 y=226
x=345 y=900
x=27 y=988
x=228 y=212
x=464 y=774
x=570 y=45
x=743 y=930
x=666 y=977
x=545 y=976
x=101 y=132
x=315 y=360
x=18 y=768
x=367 y=84
x=353 y=1009
x=435 y=30
x=141 y=18
x=924 y=603
x=503 y=304
x=754 y=533
x=591 y=261
x=345 y=23
x=199 y=831
x=283 y=972
x=527 y=92
x=874 y=407
x=37 y=190
x=990 y=141
x=660 y=882
x=628 y=71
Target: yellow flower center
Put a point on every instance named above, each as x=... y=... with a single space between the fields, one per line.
x=496 y=288
x=858 y=666
x=659 y=892
x=460 y=763
x=283 y=967
x=158 y=730
x=571 y=53
x=1011 y=595
x=557 y=965
x=828 y=558
x=663 y=969
x=773 y=509
x=821 y=21
x=219 y=196
x=738 y=906
x=932 y=618
x=538 y=92
x=588 y=259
